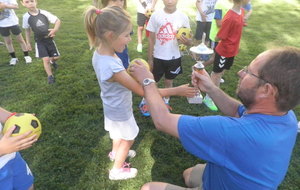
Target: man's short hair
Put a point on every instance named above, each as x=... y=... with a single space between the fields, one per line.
x=282 y=70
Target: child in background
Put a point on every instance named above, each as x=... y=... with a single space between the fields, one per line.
x=229 y=36
x=204 y=17
x=14 y=172
x=248 y=10
x=142 y=7
x=109 y=31
x=38 y=21
x=9 y=23
x=123 y=4
x=163 y=53
x=221 y=8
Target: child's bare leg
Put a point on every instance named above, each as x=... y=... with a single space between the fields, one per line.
x=9 y=44
x=46 y=62
x=115 y=145
x=122 y=152
x=22 y=43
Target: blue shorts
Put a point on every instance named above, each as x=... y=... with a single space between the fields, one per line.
x=16 y=175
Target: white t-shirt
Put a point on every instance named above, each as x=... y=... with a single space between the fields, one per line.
x=8 y=17
x=140 y=5
x=7 y=157
x=208 y=7
x=165 y=27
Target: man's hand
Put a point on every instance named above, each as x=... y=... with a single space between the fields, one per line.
x=139 y=71
x=202 y=81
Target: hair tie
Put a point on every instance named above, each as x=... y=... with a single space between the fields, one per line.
x=98 y=11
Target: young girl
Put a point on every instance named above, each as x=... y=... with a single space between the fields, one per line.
x=109 y=31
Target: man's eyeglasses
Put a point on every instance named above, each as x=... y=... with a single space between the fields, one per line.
x=245 y=70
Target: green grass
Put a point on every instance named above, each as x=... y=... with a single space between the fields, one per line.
x=72 y=151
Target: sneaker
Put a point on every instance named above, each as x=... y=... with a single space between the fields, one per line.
x=51 y=79
x=54 y=64
x=144 y=109
x=222 y=80
x=123 y=173
x=210 y=104
x=13 y=61
x=139 y=48
x=131 y=154
x=28 y=59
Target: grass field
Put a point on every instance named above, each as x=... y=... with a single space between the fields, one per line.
x=72 y=151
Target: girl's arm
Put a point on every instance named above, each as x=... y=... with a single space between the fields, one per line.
x=126 y=80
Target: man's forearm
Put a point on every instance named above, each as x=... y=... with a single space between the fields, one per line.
x=225 y=103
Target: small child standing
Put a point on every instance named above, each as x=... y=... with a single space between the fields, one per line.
x=38 y=21
x=109 y=31
x=15 y=173
x=142 y=7
x=229 y=36
x=9 y=23
x=163 y=53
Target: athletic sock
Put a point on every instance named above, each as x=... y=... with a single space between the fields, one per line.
x=12 y=54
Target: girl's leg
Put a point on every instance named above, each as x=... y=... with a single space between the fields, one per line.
x=122 y=152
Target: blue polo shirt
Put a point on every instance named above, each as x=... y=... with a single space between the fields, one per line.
x=249 y=152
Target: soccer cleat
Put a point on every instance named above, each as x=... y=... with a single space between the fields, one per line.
x=2 y=43
x=13 y=61
x=210 y=104
x=28 y=59
x=123 y=173
x=51 y=79
x=131 y=154
x=143 y=107
x=139 y=48
x=54 y=64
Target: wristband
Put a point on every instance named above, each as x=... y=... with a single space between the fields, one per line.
x=12 y=114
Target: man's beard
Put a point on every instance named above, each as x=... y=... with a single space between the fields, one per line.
x=246 y=96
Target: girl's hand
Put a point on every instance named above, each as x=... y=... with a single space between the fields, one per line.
x=9 y=144
x=185 y=90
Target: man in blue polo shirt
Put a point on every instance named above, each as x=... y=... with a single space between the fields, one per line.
x=250 y=147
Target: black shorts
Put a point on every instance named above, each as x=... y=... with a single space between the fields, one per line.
x=15 y=30
x=202 y=27
x=46 y=48
x=141 y=19
x=169 y=68
x=221 y=63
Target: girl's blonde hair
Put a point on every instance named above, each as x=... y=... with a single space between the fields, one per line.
x=104 y=3
x=98 y=22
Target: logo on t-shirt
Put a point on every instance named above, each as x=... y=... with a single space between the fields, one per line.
x=39 y=23
x=166 y=33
